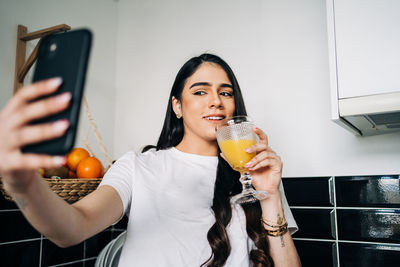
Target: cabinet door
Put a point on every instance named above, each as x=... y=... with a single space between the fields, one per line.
x=367 y=35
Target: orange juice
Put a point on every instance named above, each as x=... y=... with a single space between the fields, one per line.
x=234 y=153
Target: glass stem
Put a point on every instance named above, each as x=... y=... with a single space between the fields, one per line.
x=245 y=179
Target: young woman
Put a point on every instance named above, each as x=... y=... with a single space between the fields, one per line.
x=177 y=195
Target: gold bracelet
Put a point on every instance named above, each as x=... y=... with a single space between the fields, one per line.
x=279 y=232
x=279 y=224
x=278 y=229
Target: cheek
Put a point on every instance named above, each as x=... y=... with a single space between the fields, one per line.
x=230 y=107
x=193 y=107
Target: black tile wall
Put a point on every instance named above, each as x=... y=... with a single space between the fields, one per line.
x=122 y=224
x=316 y=253
x=5 y=204
x=369 y=255
x=314 y=223
x=364 y=218
x=90 y=263
x=308 y=191
x=369 y=225
x=21 y=245
x=53 y=254
x=368 y=191
x=21 y=254
x=15 y=227
x=96 y=243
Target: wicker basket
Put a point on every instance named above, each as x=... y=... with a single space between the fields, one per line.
x=71 y=190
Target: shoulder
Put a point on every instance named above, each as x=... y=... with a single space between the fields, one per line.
x=133 y=156
x=153 y=160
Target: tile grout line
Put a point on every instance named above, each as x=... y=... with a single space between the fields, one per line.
x=346 y=241
x=336 y=223
x=84 y=252
x=19 y=241
x=9 y=210
x=41 y=249
x=344 y=208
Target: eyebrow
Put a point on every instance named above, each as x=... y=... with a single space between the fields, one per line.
x=208 y=84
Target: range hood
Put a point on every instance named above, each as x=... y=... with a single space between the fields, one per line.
x=370 y=115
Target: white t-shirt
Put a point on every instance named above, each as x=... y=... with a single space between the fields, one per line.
x=168 y=195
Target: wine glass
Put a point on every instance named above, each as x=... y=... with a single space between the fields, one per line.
x=234 y=135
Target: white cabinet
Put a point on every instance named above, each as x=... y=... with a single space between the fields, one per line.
x=364 y=55
x=367 y=46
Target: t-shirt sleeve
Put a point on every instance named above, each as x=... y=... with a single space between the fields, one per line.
x=292 y=225
x=121 y=177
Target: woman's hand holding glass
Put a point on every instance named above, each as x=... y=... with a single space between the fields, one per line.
x=234 y=136
x=266 y=167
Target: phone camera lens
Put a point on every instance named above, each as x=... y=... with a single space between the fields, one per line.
x=53 y=47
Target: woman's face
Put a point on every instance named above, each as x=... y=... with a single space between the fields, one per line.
x=207 y=98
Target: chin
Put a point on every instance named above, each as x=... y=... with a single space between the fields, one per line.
x=212 y=137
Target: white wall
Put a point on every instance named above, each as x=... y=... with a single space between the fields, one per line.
x=98 y=15
x=278 y=50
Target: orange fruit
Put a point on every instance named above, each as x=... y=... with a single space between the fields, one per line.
x=90 y=167
x=75 y=156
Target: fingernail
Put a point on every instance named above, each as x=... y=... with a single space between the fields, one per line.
x=247 y=165
x=248 y=150
x=55 y=82
x=60 y=125
x=59 y=160
x=64 y=97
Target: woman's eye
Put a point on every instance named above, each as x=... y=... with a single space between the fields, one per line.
x=199 y=93
x=226 y=94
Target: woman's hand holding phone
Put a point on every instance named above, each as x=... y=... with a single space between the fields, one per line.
x=17 y=169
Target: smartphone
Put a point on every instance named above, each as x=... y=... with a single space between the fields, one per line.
x=64 y=55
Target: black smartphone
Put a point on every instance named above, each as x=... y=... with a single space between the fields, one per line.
x=63 y=55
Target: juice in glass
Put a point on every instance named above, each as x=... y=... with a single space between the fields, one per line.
x=234 y=153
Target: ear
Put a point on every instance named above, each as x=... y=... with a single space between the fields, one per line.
x=176 y=105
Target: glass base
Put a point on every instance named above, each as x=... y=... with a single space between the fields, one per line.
x=249 y=196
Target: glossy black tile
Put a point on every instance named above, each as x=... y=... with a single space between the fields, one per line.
x=369 y=255
x=314 y=223
x=368 y=191
x=122 y=224
x=22 y=254
x=316 y=253
x=52 y=254
x=116 y=233
x=96 y=243
x=90 y=263
x=381 y=225
x=6 y=204
x=308 y=191
x=15 y=227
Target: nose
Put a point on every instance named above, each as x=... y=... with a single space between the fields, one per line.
x=215 y=101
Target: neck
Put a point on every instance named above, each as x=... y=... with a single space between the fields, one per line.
x=199 y=147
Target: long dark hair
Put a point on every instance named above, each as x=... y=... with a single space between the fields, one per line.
x=227 y=181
